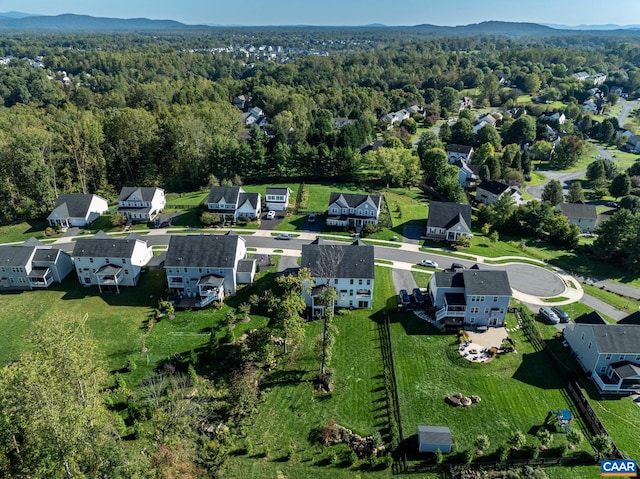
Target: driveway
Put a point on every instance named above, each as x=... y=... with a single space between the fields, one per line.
x=565 y=179
x=266 y=224
x=411 y=234
x=288 y=265
x=403 y=279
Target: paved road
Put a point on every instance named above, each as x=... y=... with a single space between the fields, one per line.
x=565 y=179
x=603 y=307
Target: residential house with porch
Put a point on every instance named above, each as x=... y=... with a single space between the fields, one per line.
x=471 y=298
x=448 y=221
x=141 y=204
x=233 y=203
x=277 y=199
x=110 y=263
x=459 y=152
x=353 y=210
x=491 y=191
x=580 y=214
x=32 y=265
x=348 y=268
x=610 y=353
x=76 y=210
x=205 y=268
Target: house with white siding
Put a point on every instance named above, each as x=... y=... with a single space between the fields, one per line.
x=277 y=199
x=76 y=210
x=353 y=210
x=141 y=204
x=448 y=221
x=233 y=203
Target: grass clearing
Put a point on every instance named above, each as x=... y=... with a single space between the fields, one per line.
x=21 y=232
x=190 y=199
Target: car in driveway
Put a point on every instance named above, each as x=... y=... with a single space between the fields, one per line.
x=428 y=262
x=283 y=236
x=561 y=314
x=404 y=297
x=547 y=314
x=271 y=215
x=311 y=218
x=419 y=296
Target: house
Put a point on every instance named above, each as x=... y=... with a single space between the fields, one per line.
x=233 y=203
x=277 y=198
x=254 y=115
x=483 y=120
x=349 y=209
x=205 y=268
x=348 y=268
x=242 y=102
x=633 y=144
x=465 y=102
x=554 y=116
x=610 y=353
x=581 y=76
x=584 y=216
x=32 y=265
x=433 y=438
x=141 y=204
x=489 y=192
x=76 y=210
x=459 y=152
x=375 y=146
x=473 y=297
x=466 y=177
x=109 y=262
x=415 y=109
x=448 y=221
x=341 y=122
x=598 y=78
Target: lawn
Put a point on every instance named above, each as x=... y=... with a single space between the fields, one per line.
x=292 y=410
x=23 y=231
x=316 y=197
x=517 y=389
x=190 y=199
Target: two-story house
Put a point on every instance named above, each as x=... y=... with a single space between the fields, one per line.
x=579 y=214
x=207 y=267
x=76 y=210
x=348 y=209
x=277 y=199
x=472 y=298
x=141 y=204
x=459 y=152
x=109 y=262
x=448 y=221
x=233 y=203
x=491 y=191
x=32 y=265
x=609 y=352
x=348 y=268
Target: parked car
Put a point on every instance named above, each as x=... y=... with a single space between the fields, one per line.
x=455 y=267
x=311 y=218
x=419 y=297
x=548 y=314
x=428 y=262
x=284 y=236
x=612 y=204
x=561 y=314
x=405 y=299
x=271 y=215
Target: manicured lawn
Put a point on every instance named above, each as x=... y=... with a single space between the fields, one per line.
x=620 y=302
x=193 y=198
x=316 y=197
x=23 y=231
x=517 y=390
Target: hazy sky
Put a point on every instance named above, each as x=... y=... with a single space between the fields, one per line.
x=344 y=12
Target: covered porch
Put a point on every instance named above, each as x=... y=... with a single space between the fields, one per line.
x=622 y=377
x=455 y=306
x=109 y=276
x=210 y=288
x=40 y=277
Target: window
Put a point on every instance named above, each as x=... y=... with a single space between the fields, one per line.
x=589 y=346
x=359 y=281
x=350 y=292
x=124 y=261
x=495 y=298
x=335 y=281
x=607 y=357
x=603 y=369
x=486 y=310
x=621 y=358
x=368 y=282
x=351 y=281
x=582 y=338
x=90 y=260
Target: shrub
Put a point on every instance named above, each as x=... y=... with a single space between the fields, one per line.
x=517 y=439
x=132 y=365
x=438 y=456
x=482 y=442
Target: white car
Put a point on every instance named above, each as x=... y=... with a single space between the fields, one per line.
x=283 y=236
x=428 y=262
x=271 y=215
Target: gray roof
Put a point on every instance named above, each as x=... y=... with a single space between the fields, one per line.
x=626 y=369
x=46 y=255
x=449 y=280
x=252 y=198
x=486 y=283
x=445 y=215
x=616 y=338
x=246 y=265
x=73 y=205
x=354 y=260
x=453 y=148
x=109 y=247
x=590 y=318
x=15 y=256
x=434 y=435
x=141 y=193
x=578 y=210
x=493 y=187
x=202 y=251
x=229 y=193
x=272 y=190
x=352 y=200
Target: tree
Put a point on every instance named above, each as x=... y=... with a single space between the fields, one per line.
x=434 y=161
x=575 y=436
x=567 y=153
x=489 y=134
x=595 y=171
x=462 y=132
x=396 y=166
x=603 y=444
x=517 y=439
x=620 y=186
x=427 y=141
x=449 y=98
x=521 y=130
x=618 y=237
x=552 y=192
x=575 y=194
x=483 y=153
x=541 y=150
x=631 y=203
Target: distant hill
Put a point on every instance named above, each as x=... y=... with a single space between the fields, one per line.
x=593 y=27
x=71 y=22
x=15 y=14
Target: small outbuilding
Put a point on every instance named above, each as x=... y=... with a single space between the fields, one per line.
x=432 y=438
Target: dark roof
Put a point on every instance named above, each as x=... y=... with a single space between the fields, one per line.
x=109 y=269
x=109 y=247
x=590 y=318
x=449 y=280
x=445 y=215
x=229 y=193
x=493 y=187
x=252 y=198
x=246 y=265
x=353 y=200
x=453 y=148
x=486 y=282
x=145 y=193
x=578 y=210
x=212 y=279
x=15 y=256
x=213 y=251
x=434 y=435
x=633 y=318
x=73 y=205
x=272 y=190
x=626 y=369
x=353 y=261
x=617 y=338
x=46 y=255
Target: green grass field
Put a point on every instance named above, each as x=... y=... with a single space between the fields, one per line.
x=20 y=232
x=192 y=198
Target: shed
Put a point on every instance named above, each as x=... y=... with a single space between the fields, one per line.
x=432 y=438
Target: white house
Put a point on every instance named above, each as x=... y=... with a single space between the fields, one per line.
x=109 y=262
x=348 y=209
x=32 y=265
x=466 y=177
x=77 y=210
x=609 y=352
x=554 y=116
x=473 y=298
x=141 y=204
x=206 y=267
x=448 y=221
x=233 y=203
x=277 y=198
x=459 y=152
x=348 y=268
x=584 y=216
x=489 y=192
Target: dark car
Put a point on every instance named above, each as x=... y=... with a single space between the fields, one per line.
x=419 y=297
x=457 y=267
x=405 y=299
x=561 y=314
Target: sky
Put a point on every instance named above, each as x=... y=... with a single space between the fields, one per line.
x=344 y=12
